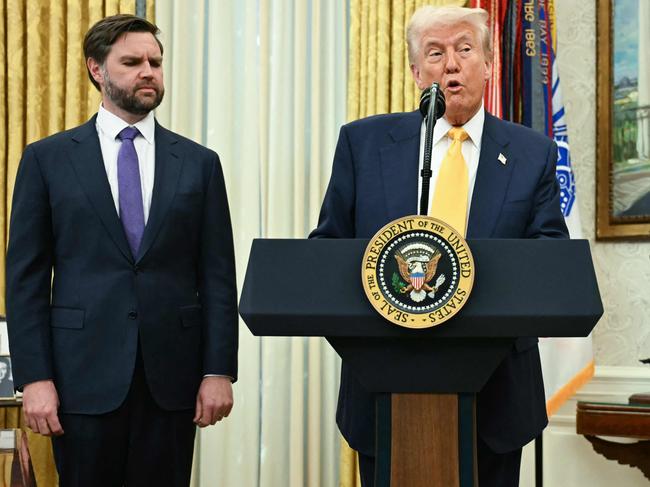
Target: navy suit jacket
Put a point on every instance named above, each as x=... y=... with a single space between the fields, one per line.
x=375 y=180
x=78 y=302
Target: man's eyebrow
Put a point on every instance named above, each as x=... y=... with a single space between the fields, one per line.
x=128 y=57
x=432 y=43
x=465 y=38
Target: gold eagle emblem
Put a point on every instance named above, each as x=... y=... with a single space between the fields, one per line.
x=417 y=274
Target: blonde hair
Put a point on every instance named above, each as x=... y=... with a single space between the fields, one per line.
x=428 y=16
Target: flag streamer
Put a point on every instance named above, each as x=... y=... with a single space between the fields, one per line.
x=525 y=88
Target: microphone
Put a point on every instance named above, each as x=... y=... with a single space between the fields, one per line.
x=439 y=106
x=431 y=112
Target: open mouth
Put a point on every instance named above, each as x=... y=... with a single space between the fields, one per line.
x=454 y=86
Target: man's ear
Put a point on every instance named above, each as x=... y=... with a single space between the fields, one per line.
x=415 y=72
x=488 y=69
x=95 y=70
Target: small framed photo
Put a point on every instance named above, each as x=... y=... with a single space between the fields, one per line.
x=7 y=441
x=4 y=337
x=6 y=378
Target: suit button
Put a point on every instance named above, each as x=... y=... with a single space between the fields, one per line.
x=133 y=315
x=136 y=269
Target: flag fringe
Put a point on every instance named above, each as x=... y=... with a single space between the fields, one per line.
x=569 y=389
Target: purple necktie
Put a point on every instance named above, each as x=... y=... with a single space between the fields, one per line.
x=128 y=181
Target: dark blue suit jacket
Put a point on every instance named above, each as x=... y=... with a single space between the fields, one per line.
x=375 y=180
x=177 y=297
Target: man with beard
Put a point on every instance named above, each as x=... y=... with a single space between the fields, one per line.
x=132 y=220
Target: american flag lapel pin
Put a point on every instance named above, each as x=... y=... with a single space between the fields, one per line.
x=502 y=159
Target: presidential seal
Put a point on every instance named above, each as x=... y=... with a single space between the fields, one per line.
x=417 y=272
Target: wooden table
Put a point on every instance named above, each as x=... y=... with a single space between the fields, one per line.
x=15 y=402
x=40 y=447
x=630 y=421
x=15 y=462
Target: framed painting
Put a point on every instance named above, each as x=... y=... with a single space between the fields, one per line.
x=623 y=119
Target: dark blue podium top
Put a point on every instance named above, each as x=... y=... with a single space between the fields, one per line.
x=523 y=288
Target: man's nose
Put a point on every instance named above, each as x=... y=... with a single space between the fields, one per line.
x=451 y=64
x=146 y=71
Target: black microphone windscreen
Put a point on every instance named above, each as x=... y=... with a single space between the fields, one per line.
x=425 y=101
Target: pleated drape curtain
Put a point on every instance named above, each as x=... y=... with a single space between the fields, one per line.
x=263 y=84
x=45 y=89
x=379 y=81
x=379 y=77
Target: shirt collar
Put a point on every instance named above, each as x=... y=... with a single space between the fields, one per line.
x=112 y=125
x=473 y=127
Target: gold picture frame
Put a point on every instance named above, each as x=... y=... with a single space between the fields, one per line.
x=622 y=127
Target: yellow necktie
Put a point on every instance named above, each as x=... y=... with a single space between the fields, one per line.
x=449 y=202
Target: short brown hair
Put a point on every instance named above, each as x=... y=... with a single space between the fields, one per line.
x=100 y=37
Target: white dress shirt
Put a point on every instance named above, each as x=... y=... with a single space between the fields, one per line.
x=471 y=150
x=108 y=126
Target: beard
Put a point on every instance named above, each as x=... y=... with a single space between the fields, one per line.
x=128 y=100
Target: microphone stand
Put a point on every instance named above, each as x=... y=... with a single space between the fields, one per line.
x=431 y=113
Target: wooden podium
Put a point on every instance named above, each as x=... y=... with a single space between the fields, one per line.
x=426 y=379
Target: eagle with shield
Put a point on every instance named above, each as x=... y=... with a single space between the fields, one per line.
x=417 y=265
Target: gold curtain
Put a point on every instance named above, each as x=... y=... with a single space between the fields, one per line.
x=46 y=89
x=39 y=446
x=379 y=78
x=349 y=466
x=379 y=81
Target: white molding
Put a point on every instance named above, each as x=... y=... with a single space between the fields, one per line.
x=605 y=372
x=569 y=459
x=609 y=384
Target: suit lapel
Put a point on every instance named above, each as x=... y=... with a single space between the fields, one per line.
x=399 y=167
x=167 y=171
x=86 y=158
x=492 y=179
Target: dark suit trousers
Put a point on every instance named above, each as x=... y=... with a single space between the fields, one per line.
x=137 y=445
x=494 y=469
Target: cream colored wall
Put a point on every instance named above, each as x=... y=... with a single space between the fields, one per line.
x=623 y=268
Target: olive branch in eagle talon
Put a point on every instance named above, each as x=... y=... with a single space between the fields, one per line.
x=397 y=283
x=418 y=275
